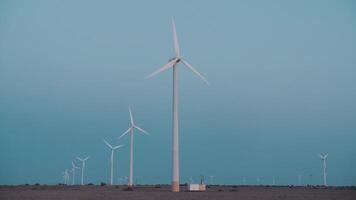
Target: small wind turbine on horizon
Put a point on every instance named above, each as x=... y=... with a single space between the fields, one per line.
x=300 y=179
x=211 y=180
x=323 y=160
x=173 y=63
x=130 y=130
x=112 y=159
x=83 y=167
x=73 y=172
x=65 y=177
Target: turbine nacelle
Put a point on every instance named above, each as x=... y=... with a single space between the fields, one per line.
x=132 y=126
x=323 y=156
x=112 y=147
x=73 y=166
x=177 y=59
x=83 y=159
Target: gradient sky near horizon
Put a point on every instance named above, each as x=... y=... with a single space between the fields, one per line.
x=283 y=88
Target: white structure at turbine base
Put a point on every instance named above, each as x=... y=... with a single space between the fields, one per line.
x=83 y=168
x=130 y=130
x=112 y=160
x=173 y=63
x=323 y=161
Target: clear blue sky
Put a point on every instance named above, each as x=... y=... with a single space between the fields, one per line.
x=282 y=77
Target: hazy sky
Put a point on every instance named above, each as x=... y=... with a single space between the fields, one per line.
x=283 y=88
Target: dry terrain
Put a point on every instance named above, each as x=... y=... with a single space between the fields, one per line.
x=162 y=192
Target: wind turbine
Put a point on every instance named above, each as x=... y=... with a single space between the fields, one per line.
x=300 y=179
x=173 y=63
x=211 y=180
x=323 y=160
x=83 y=167
x=73 y=172
x=66 y=177
x=131 y=131
x=112 y=159
x=273 y=180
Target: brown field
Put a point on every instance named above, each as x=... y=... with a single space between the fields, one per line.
x=162 y=192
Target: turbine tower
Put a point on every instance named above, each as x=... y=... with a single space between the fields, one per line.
x=173 y=63
x=300 y=179
x=211 y=180
x=258 y=180
x=131 y=131
x=83 y=167
x=273 y=181
x=323 y=160
x=73 y=172
x=112 y=159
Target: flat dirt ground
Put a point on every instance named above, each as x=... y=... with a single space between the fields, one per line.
x=162 y=192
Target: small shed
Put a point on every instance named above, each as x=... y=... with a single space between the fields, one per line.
x=196 y=187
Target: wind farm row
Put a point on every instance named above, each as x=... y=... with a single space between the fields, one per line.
x=69 y=176
x=172 y=63
x=112 y=148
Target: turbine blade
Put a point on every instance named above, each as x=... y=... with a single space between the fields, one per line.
x=79 y=159
x=195 y=71
x=326 y=155
x=131 y=118
x=175 y=39
x=118 y=146
x=107 y=144
x=86 y=158
x=143 y=131
x=127 y=131
x=165 y=67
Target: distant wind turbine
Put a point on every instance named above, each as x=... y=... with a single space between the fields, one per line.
x=211 y=180
x=131 y=129
x=73 y=172
x=323 y=160
x=173 y=63
x=83 y=167
x=300 y=179
x=112 y=159
x=66 y=177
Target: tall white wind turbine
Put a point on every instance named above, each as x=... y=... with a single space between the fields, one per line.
x=74 y=167
x=131 y=129
x=173 y=63
x=323 y=160
x=83 y=167
x=112 y=159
